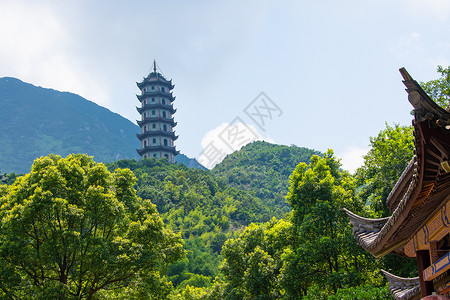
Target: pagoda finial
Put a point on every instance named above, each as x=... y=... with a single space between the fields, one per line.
x=154 y=66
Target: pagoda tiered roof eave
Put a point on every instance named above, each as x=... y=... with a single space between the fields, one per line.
x=169 y=121
x=146 y=149
x=150 y=94
x=169 y=134
x=155 y=78
x=155 y=106
x=416 y=194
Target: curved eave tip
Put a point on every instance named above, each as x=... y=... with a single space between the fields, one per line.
x=405 y=74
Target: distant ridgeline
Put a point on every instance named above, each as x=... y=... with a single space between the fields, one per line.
x=36 y=121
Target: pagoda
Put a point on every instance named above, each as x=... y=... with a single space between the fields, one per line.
x=419 y=226
x=157 y=135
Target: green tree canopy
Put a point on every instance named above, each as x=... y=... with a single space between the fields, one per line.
x=391 y=150
x=313 y=247
x=439 y=89
x=70 y=228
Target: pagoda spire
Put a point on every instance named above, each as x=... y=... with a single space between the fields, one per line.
x=154 y=66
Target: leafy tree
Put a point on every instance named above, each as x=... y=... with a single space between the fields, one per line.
x=325 y=252
x=70 y=228
x=391 y=150
x=250 y=267
x=363 y=292
x=439 y=89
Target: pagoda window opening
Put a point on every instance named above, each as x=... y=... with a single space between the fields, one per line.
x=165 y=142
x=153 y=112
x=162 y=89
x=153 y=87
x=153 y=125
x=154 y=155
x=166 y=156
x=154 y=141
x=145 y=143
x=164 y=101
x=153 y=99
x=165 y=127
x=164 y=114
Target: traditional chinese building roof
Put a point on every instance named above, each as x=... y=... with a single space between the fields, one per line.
x=155 y=78
x=418 y=192
x=403 y=288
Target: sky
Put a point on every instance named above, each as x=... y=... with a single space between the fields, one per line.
x=316 y=74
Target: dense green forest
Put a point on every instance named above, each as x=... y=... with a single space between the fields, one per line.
x=234 y=244
x=266 y=223
x=207 y=208
x=264 y=169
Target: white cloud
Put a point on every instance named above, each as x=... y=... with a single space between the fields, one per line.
x=352 y=158
x=37 y=36
x=225 y=139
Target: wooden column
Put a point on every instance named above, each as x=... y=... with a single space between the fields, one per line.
x=423 y=262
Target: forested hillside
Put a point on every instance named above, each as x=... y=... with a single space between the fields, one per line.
x=36 y=121
x=264 y=169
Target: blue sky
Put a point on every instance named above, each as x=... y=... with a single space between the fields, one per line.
x=331 y=67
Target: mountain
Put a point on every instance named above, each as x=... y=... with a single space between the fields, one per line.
x=189 y=162
x=36 y=121
x=264 y=168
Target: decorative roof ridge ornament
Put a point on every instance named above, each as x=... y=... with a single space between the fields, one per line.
x=424 y=107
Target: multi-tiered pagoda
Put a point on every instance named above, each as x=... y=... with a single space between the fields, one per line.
x=157 y=136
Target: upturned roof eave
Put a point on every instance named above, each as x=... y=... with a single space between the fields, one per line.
x=367 y=232
x=402 y=288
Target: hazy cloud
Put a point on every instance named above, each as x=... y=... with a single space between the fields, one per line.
x=352 y=158
x=225 y=139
